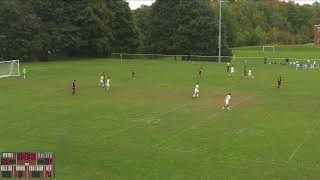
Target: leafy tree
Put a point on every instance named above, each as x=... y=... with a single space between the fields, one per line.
x=39 y=29
x=142 y=18
x=94 y=29
x=183 y=27
x=124 y=30
x=19 y=30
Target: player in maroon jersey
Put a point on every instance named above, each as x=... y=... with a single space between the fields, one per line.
x=132 y=74
x=279 y=82
x=74 y=87
x=200 y=72
x=245 y=71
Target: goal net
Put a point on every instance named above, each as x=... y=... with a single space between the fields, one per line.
x=9 y=68
x=264 y=48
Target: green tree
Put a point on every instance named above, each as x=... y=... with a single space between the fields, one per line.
x=142 y=18
x=20 y=31
x=124 y=30
x=183 y=27
x=94 y=29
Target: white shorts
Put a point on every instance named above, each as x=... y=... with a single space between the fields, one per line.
x=101 y=82
x=227 y=102
x=196 y=91
x=108 y=85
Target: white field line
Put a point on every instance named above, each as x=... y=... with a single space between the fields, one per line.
x=193 y=126
x=303 y=142
x=306 y=138
x=119 y=131
x=309 y=135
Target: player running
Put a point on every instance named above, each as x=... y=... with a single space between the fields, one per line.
x=279 y=82
x=24 y=72
x=228 y=67
x=250 y=73
x=200 y=72
x=74 y=87
x=102 y=80
x=196 y=91
x=245 y=71
x=232 y=71
x=133 y=74
x=227 y=102
x=108 y=83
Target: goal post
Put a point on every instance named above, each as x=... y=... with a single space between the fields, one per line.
x=268 y=47
x=9 y=68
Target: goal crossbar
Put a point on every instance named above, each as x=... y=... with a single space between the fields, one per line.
x=9 y=68
x=263 y=48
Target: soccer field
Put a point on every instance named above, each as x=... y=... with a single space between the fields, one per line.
x=151 y=128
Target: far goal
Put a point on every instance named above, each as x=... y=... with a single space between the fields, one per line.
x=265 y=48
x=9 y=68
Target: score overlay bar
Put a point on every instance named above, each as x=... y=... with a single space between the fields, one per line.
x=27 y=165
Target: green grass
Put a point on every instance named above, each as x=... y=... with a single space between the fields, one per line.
x=150 y=128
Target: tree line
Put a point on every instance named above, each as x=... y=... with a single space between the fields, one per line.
x=40 y=29
x=254 y=22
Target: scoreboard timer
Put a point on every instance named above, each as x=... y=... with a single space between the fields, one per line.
x=27 y=165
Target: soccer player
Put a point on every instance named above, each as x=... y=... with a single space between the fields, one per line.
x=108 y=83
x=200 y=72
x=250 y=73
x=102 y=80
x=245 y=71
x=24 y=72
x=232 y=70
x=227 y=102
x=132 y=74
x=74 y=87
x=196 y=91
x=312 y=66
x=228 y=67
x=279 y=82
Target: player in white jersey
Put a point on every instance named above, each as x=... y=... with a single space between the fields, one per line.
x=250 y=73
x=102 y=80
x=196 y=91
x=227 y=100
x=232 y=70
x=108 y=83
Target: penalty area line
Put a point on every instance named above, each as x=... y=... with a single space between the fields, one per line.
x=119 y=131
x=183 y=130
x=309 y=135
x=302 y=143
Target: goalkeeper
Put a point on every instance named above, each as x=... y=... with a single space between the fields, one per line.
x=24 y=72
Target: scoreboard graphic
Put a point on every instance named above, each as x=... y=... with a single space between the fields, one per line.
x=27 y=165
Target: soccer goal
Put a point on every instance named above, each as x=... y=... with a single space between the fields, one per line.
x=9 y=68
x=267 y=47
